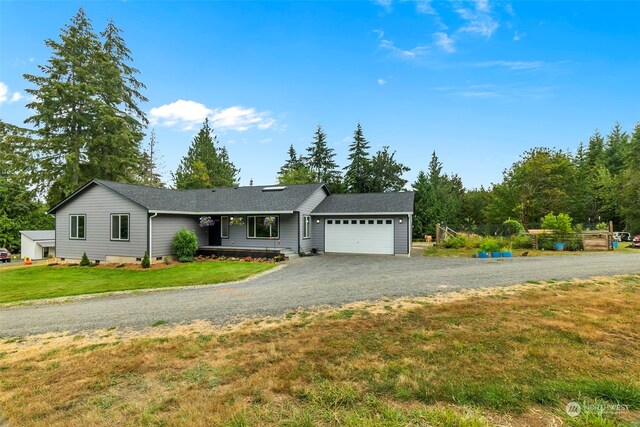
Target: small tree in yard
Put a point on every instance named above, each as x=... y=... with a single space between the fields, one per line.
x=560 y=224
x=185 y=245
x=85 y=260
x=146 y=263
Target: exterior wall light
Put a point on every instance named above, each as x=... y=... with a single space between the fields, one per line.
x=317 y=221
x=400 y=220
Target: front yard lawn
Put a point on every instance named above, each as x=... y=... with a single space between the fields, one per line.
x=22 y=284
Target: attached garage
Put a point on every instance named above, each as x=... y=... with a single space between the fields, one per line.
x=370 y=223
x=362 y=236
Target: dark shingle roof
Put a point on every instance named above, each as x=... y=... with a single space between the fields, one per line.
x=218 y=200
x=395 y=203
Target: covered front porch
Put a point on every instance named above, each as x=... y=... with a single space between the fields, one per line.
x=257 y=235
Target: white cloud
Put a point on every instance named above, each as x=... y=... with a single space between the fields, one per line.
x=482 y=5
x=386 y=4
x=425 y=7
x=402 y=53
x=4 y=91
x=4 y=95
x=382 y=81
x=512 y=65
x=444 y=42
x=509 y=9
x=188 y=114
x=516 y=36
x=479 y=21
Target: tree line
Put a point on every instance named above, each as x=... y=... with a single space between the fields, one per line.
x=600 y=182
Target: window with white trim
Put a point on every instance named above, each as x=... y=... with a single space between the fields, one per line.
x=306 y=231
x=224 y=227
x=119 y=226
x=77 y=227
x=263 y=227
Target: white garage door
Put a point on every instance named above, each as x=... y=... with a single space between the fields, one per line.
x=359 y=236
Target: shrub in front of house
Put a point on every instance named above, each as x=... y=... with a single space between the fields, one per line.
x=185 y=245
x=85 y=260
x=146 y=263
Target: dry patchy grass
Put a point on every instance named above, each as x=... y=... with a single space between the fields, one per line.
x=511 y=356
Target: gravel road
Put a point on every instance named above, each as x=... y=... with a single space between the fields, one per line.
x=307 y=282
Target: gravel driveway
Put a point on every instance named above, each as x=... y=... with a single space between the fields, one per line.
x=307 y=282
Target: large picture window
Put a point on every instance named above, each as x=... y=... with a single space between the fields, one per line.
x=119 y=226
x=263 y=227
x=77 y=226
x=306 y=232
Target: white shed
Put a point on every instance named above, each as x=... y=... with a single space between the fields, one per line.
x=38 y=244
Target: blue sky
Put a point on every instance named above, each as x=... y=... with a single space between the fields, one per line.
x=479 y=82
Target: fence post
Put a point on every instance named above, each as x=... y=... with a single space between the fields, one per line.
x=437 y=233
x=610 y=236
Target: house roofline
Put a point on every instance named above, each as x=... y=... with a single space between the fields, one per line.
x=358 y=213
x=152 y=211
x=81 y=189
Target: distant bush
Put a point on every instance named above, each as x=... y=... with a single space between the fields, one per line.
x=185 y=245
x=602 y=226
x=455 y=242
x=85 y=260
x=522 y=241
x=513 y=227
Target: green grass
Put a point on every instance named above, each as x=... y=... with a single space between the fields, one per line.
x=23 y=284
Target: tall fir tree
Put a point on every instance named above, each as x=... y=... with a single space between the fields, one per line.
x=320 y=159
x=151 y=164
x=294 y=170
x=85 y=113
x=205 y=165
x=630 y=195
x=357 y=177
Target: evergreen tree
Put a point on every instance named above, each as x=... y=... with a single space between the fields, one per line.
x=320 y=159
x=85 y=111
x=630 y=195
x=438 y=198
x=150 y=164
x=114 y=152
x=357 y=177
x=294 y=170
x=205 y=165
x=616 y=149
x=386 y=172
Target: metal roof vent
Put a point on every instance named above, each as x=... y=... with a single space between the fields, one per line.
x=276 y=188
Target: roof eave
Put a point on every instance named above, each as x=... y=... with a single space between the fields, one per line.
x=358 y=213
x=156 y=211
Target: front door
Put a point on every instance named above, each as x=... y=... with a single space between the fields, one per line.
x=215 y=238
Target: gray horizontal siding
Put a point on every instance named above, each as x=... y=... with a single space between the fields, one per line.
x=400 y=231
x=165 y=228
x=98 y=203
x=305 y=209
